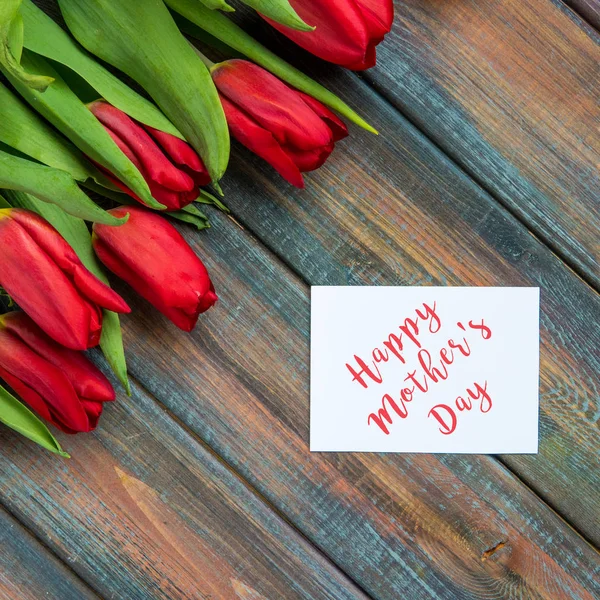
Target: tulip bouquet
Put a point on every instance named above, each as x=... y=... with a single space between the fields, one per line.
x=88 y=164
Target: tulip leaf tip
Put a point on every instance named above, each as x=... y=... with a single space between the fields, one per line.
x=215 y=185
x=114 y=221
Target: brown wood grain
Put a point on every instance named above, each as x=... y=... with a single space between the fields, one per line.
x=588 y=9
x=510 y=91
x=143 y=511
x=401 y=526
x=28 y=571
x=390 y=210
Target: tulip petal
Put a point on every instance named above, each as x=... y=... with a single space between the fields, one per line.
x=272 y=103
x=226 y=31
x=45 y=293
x=378 y=15
x=309 y=160
x=152 y=256
x=45 y=37
x=182 y=154
x=141 y=39
x=341 y=36
x=21 y=128
x=58 y=250
x=63 y=108
x=170 y=199
x=261 y=142
x=87 y=380
x=33 y=378
x=336 y=125
x=154 y=164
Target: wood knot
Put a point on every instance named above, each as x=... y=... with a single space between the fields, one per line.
x=491 y=551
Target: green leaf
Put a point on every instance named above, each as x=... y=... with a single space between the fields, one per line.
x=76 y=233
x=11 y=38
x=50 y=185
x=219 y=26
x=45 y=37
x=22 y=129
x=190 y=214
x=280 y=11
x=18 y=417
x=141 y=39
x=217 y=5
x=59 y=105
x=207 y=198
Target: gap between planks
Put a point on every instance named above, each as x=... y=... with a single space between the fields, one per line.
x=33 y=534
x=522 y=219
x=587 y=10
x=269 y=505
x=240 y=222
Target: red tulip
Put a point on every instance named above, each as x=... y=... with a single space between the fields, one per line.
x=292 y=131
x=347 y=31
x=42 y=274
x=59 y=384
x=170 y=166
x=151 y=255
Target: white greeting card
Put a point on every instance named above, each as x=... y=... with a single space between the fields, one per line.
x=424 y=369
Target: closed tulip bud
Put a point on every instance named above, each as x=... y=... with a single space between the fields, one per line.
x=170 y=166
x=152 y=256
x=59 y=384
x=42 y=274
x=346 y=31
x=290 y=130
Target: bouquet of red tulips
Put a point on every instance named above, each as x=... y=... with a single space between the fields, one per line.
x=69 y=126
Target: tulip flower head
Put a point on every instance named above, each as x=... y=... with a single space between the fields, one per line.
x=289 y=129
x=59 y=384
x=346 y=31
x=170 y=166
x=152 y=256
x=46 y=278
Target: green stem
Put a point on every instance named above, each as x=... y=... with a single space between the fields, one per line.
x=219 y=26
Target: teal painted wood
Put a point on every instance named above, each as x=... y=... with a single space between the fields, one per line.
x=588 y=9
x=402 y=526
x=430 y=522
x=144 y=511
x=28 y=571
x=395 y=210
x=510 y=91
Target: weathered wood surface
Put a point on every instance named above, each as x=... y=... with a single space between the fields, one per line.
x=401 y=526
x=28 y=571
x=144 y=511
x=588 y=9
x=394 y=210
x=510 y=90
x=387 y=210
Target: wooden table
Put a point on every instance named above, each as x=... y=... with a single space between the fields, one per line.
x=201 y=484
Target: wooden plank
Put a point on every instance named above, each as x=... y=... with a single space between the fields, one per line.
x=28 y=571
x=588 y=9
x=510 y=91
x=416 y=525
x=143 y=510
x=394 y=210
x=401 y=526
